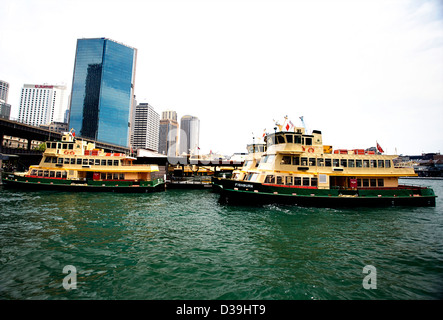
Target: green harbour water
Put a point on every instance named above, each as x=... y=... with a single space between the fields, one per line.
x=185 y=245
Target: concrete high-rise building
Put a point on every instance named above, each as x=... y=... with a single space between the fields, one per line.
x=4 y=91
x=103 y=90
x=189 y=135
x=146 y=127
x=42 y=104
x=169 y=115
x=168 y=135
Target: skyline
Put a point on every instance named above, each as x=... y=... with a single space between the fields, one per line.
x=360 y=72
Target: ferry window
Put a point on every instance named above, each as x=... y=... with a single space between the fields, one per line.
x=335 y=162
x=351 y=163
x=33 y=172
x=288 y=181
x=381 y=164
x=54 y=159
x=60 y=160
x=79 y=160
x=381 y=182
x=270 y=141
x=40 y=173
x=54 y=145
x=387 y=163
x=320 y=162
x=67 y=160
x=91 y=162
x=269 y=179
x=373 y=182
x=270 y=158
x=373 y=163
x=103 y=162
x=58 y=174
x=48 y=145
x=115 y=162
x=85 y=162
x=313 y=182
x=358 y=163
x=306 y=181
x=64 y=146
x=72 y=160
x=365 y=182
x=328 y=162
x=358 y=182
x=48 y=159
x=97 y=162
x=51 y=174
x=344 y=163
x=286 y=160
x=308 y=141
x=109 y=162
x=280 y=139
x=71 y=146
x=279 y=180
x=103 y=176
x=64 y=174
x=109 y=176
x=312 y=162
x=296 y=161
x=46 y=174
x=365 y=163
x=304 y=161
x=289 y=138
x=297 y=139
x=254 y=177
x=122 y=176
x=297 y=181
x=115 y=176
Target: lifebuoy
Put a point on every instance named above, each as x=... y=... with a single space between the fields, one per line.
x=66 y=151
x=72 y=152
x=311 y=150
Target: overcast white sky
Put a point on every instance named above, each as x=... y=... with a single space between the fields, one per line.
x=359 y=71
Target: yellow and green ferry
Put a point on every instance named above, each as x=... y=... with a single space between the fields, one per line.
x=296 y=168
x=76 y=165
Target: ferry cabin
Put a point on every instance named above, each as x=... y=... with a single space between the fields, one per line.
x=296 y=159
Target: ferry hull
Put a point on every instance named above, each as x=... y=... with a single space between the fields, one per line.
x=24 y=183
x=246 y=193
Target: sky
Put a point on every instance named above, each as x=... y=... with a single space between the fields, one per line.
x=359 y=71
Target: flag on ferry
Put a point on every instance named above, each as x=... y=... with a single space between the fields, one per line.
x=379 y=148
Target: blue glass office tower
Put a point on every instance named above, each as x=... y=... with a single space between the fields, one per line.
x=102 y=90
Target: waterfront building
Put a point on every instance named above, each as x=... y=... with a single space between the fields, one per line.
x=189 y=134
x=42 y=104
x=56 y=126
x=103 y=90
x=146 y=127
x=168 y=135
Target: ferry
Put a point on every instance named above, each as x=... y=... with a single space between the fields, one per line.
x=296 y=168
x=77 y=165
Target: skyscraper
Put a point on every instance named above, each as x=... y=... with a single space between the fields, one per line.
x=168 y=136
x=5 y=108
x=103 y=90
x=146 y=127
x=189 y=135
x=42 y=104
